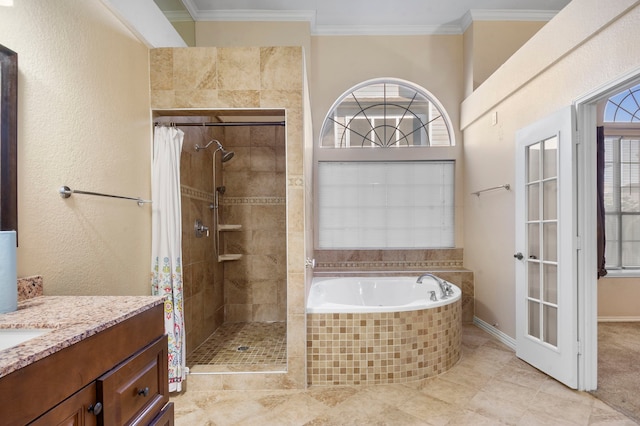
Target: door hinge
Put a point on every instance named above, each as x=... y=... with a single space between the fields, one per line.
x=578 y=243
x=579 y=347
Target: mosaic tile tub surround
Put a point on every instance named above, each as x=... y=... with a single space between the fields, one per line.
x=376 y=348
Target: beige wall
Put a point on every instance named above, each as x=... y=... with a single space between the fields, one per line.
x=187 y=30
x=553 y=69
x=488 y=44
x=83 y=121
x=433 y=62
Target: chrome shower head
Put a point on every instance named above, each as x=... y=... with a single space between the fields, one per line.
x=226 y=155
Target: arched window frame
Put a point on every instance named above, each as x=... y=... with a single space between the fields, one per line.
x=442 y=153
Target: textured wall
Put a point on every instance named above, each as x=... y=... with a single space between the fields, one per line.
x=83 y=121
x=552 y=70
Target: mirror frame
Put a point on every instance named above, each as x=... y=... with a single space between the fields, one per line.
x=8 y=139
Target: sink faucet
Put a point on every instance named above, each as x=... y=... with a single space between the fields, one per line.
x=445 y=287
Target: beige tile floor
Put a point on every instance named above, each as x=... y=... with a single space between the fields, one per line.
x=242 y=346
x=489 y=386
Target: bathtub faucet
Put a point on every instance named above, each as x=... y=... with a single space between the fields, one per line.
x=445 y=287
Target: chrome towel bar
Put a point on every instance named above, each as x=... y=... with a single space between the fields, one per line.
x=65 y=192
x=493 y=188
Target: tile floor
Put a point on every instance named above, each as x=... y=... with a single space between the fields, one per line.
x=489 y=386
x=245 y=346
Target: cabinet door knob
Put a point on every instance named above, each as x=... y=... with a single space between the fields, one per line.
x=95 y=408
x=144 y=392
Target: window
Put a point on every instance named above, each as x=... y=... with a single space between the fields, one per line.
x=622 y=180
x=385 y=170
x=386 y=113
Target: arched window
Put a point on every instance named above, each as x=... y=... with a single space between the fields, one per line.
x=624 y=107
x=385 y=172
x=622 y=181
x=386 y=113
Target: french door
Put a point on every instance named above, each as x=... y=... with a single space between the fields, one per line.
x=546 y=247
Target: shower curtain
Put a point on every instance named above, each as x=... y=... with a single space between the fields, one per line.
x=166 y=242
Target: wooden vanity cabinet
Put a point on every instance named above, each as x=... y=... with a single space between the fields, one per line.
x=116 y=377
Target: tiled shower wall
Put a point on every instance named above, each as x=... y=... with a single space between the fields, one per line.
x=202 y=275
x=250 y=77
x=255 y=286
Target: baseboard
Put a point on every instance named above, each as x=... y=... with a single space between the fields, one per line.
x=618 y=319
x=504 y=338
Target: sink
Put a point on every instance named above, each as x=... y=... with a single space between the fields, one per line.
x=14 y=336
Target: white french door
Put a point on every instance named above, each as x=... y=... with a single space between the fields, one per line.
x=546 y=244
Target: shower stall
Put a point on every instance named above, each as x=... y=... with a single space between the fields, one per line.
x=233 y=195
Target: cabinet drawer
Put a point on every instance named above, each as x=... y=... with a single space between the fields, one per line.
x=135 y=391
x=165 y=418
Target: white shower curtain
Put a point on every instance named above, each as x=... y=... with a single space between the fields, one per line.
x=166 y=241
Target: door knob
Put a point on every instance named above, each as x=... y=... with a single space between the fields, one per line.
x=518 y=256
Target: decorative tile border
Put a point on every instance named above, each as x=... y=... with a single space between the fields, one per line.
x=196 y=194
x=296 y=181
x=424 y=264
x=389 y=347
x=255 y=201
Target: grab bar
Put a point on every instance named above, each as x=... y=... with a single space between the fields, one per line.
x=493 y=188
x=65 y=192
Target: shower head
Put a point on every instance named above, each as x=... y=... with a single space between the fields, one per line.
x=226 y=155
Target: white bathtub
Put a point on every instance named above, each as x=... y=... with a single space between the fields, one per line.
x=375 y=294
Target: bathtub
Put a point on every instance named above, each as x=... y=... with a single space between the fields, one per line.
x=375 y=294
x=374 y=330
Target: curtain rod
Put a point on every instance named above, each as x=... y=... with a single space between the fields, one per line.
x=215 y=124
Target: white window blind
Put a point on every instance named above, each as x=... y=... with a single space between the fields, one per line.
x=401 y=204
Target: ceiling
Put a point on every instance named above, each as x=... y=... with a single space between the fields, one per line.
x=366 y=16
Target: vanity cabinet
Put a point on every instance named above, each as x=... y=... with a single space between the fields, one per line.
x=115 y=377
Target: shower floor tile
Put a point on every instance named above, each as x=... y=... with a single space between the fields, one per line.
x=247 y=346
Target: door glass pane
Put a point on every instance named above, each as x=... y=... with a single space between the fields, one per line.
x=533 y=166
x=550 y=199
x=550 y=165
x=534 y=319
x=534 y=241
x=550 y=238
x=534 y=280
x=533 y=201
x=550 y=279
x=550 y=321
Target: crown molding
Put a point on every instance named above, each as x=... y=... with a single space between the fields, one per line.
x=458 y=27
x=373 y=30
x=505 y=15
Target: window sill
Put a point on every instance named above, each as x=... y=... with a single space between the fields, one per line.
x=622 y=273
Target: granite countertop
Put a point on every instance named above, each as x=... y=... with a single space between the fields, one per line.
x=70 y=318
